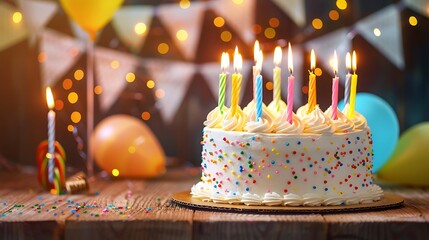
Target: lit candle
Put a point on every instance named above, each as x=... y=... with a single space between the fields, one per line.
x=276 y=78
x=222 y=81
x=290 y=85
x=353 y=87
x=312 y=94
x=51 y=134
x=258 y=103
x=348 y=76
x=236 y=81
x=335 y=81
x=255 y=69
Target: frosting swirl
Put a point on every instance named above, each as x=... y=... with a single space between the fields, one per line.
x=333 y=200
x=283 y=126
x=311 y=199
x=234 y=122
x=315 y=121
x=249 y=107
x=272 y=199
x=342 y=124
x=251 y=199
x=214 y=118
x=266 y=125
x=272 y=108
x=292 y=199
x=358 y=119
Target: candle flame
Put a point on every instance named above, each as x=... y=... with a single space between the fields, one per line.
x=49 y=98
x=277 y=56
x=290 y=59
x=335 y=63
x=224 y=64
x=238 y=61
x=312 y=60
x=348 y=61
x=259 y=61
x=256 y=51
x=354 y=61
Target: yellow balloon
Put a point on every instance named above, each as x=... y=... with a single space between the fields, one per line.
x=91 y=15
x=125 y=147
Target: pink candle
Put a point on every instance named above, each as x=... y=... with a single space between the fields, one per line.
x=290 y=86
x=335 y=82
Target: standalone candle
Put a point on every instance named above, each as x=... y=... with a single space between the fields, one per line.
x=255 y=69
x=348 y=76
x=51 y=134
x=290 y=85
x=222 y=81
x=312 y=94
x=335 y=81
x=236 y=81
x=277 y=78
x=258 y=103
x=351 y=111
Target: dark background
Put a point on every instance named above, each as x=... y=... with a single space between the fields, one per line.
x=23 y=109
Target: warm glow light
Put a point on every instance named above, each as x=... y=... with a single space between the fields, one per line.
x=412 y=20
x=226 y=36
x=377 y=32
x=73 y=97
x=348 y=61
x=354 y=63
x=219 y=21
x=163 y=48
x=78 y=75
x=59 y=104
x=115 y=172
x=49 y=98
x=257 y=29
x=259 y=61
x=312 y=60
x=317 y=23
x=277 y=56
x=335 y=63
x=184 y=4
x=238 y=2
x=269 y=86
x=274 y=22
x=145 y=116
x=270 y=33
x=67 y=84
x=289 y=59
x=115 y=64
x=41 y=57
x=140 y=28
x=150 y=84
x=341 y=4
x=70 y=128
x=238 y=61
x=98 y=89
x=255 y=50
x=182 y=35
x=130 y=77
x=159 y=93
x=75 y=117
x=17 y=17
x=224 y=63
x=318 y=72
x=334 y=15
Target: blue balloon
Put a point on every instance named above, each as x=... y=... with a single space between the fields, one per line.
x=384 y=125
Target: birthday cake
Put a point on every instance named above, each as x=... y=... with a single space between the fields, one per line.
x=310 y=160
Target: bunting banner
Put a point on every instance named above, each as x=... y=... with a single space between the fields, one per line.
x=112 y=79
x=60 y=53
x=36 y=15
x=172 y=80
x=298 y=61
x=211 y=71
x=79 y=33
x=240 y=16
x=295 y=9
x=11 y=33
x=383 y=30
x=184 y=25
x=131 y=24
x=420 y=6
x=324 y=49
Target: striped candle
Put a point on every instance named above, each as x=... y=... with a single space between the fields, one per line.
x=236 y=81
x=222 y=81
x=347 y=83
x=351 y=111
x=258 y=103
x=277 y=78
x=290 y=86
x=51 y=134
x=312 y=93
x=335 y=81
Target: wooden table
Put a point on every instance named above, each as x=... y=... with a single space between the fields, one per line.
x=142 y=209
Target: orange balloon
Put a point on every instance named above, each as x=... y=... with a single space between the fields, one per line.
x=126 y=147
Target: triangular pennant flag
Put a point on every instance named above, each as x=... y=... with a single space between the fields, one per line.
x=184 y=25
x=112 y=79
x=60 y=53
x=11 y=33
x=420 y=6
x=131 y=24
x=172 y=80
x=210 y=72
x=36 y=14
x=239 y=16
x=383 y=30
x=298 y=61
x=324 y=49
x=295 y=9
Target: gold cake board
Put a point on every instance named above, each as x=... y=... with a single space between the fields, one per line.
x=387 y=201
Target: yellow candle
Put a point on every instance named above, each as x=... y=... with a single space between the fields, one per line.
x=236 y=81
x=353 y=88
x=276 y=78
x=312 y=101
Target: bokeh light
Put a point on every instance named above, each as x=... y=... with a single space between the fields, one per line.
x=115 y=64
x=75 y=117
x=41 y=57
x=150 y=84
x=270 y=33
x=238 y=2
x=317 y=23
x=132 y=149
x=377 y=32
x=73 y=97
x=67 y=84
x=159 y=93
x=130 y=77
x=274 y=22
x=334 y=15
x=269 y=86
x=412 y=20
x=140 y=28
x=304 y=89
x=184 y=4
x=341 y=4
x=318 y=72
x=219 y=21
x=163 y=48
x=115 y=172
x=182 y=35
x=17 y=17
x=145 y=116
x=78 y=74
x=257 y=29
x=98 y=89
x=70 y=128
x=59 y=104
x=226 y=36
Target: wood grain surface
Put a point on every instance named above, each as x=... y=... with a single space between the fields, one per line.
x=142 y=209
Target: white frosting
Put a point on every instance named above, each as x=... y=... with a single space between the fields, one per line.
x=272 y=108
x=214 y=118
x=315 y=121
x=358 y=120
x=342 y=124
x=234 y=122
x=283 y=126
x=272 y=199
x=266 y=123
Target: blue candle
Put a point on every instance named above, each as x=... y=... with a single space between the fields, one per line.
x=259 y=88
